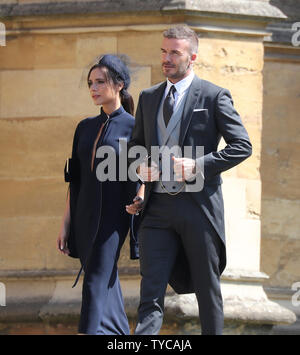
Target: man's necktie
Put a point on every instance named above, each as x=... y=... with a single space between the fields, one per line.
x=169 y=105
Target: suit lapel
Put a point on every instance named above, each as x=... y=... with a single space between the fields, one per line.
x=191 y=100
x=157 y=97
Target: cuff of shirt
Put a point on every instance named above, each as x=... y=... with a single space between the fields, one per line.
x=199 y=170
x=140 y=178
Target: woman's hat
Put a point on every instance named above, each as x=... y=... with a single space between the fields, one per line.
x=115 y=64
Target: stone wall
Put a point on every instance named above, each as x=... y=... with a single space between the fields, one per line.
x=280 y=245
x=280 y=154
x=281 y=173
x=43 y=96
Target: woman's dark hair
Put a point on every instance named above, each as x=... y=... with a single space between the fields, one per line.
x=116 y=73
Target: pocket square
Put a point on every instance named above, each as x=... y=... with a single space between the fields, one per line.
x=199 y=109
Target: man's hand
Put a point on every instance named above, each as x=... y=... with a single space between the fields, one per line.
x=147 y=173
x=184 y=168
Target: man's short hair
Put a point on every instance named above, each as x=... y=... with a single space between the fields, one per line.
x=183 y=32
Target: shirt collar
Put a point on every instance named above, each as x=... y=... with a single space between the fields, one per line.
x=182 y=85
x=113 y=114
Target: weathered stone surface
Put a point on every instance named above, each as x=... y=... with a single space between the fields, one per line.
x=259 y=9
x=90 y=46
x=32 y=197
x=280 y=217
x=245 y=303
x=54 y=51
x=236 y=65
x=130 y=43
x=253 y=197
x=279 y=258
x=41 y=91
x=39 y=251
x=10 y=54
x=242 y=302
x=281 y=131
x=280 y=170
x=22 y=160
x=54 y=92
x=280 y=241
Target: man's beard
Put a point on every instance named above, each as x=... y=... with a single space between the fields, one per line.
x=180 y=72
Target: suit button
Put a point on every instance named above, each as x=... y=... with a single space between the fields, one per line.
x=173 y=187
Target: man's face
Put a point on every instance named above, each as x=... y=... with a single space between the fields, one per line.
x=176 y=58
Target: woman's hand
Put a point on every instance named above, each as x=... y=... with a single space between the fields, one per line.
x=64 y=232
x=62 y=242
x=136 y=206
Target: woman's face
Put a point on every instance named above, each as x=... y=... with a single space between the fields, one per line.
x=103 y=92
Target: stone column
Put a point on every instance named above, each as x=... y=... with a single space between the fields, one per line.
x=280 y=247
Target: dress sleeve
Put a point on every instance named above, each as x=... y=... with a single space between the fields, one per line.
x=73 y=177
x=72 y=166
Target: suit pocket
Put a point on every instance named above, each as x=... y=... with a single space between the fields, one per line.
x=199 y=119
x=200 y=109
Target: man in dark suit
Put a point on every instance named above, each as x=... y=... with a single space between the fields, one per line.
x=181 y=235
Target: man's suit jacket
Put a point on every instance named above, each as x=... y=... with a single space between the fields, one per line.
x=208 y=115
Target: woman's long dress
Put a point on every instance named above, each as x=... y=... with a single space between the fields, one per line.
x=99 y=221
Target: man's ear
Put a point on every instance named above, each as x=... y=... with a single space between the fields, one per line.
x=193 y=58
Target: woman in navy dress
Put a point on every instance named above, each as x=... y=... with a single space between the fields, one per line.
x=95 y=222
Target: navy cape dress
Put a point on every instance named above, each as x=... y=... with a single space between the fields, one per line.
x=99 y=221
